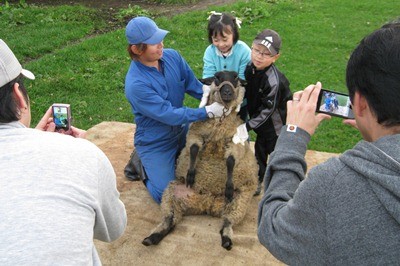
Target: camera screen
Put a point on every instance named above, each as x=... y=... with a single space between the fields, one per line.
x=334 y=103
x=60 y=117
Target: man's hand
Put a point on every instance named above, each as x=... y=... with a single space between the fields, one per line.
x=46 y=123
x=217 y=110
x=77 y=133
x=350 y=122
x=241 y=135
x=301 y=110
x=204 y=98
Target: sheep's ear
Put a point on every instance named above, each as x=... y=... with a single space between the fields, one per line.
x=218 y=77
x=212 y=92
x=207 y=81
x=242 y=82
x=235 y=75
x=241 y=94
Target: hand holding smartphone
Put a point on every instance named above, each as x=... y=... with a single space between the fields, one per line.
x=62 y=116
x=334 y=103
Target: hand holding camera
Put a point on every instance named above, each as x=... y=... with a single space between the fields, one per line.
x=62 y=117
x=335 y=103
x=301 y=110
x=58 y=119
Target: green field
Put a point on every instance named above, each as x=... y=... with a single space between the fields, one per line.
x=78 y=60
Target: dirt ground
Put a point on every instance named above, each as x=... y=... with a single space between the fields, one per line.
x=108 y=9
x=116 y=4
x=110 y=6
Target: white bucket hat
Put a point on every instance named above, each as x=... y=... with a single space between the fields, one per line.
x=10 y=68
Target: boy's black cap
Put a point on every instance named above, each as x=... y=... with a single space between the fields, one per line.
x=270 y=39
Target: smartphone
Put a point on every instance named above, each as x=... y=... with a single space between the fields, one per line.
x=334 y=103
x=62 y=116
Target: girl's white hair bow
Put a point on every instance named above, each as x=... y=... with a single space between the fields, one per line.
x=213 y=13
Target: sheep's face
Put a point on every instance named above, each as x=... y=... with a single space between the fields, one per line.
x=225 y=88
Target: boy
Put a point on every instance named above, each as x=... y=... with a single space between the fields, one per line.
x=267 y=92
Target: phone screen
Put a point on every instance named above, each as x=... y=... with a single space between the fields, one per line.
x=334 y=103
x=61 y=116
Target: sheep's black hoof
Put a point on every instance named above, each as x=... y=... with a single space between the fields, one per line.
x=226 y=243
x=190 y=178
x=153 y=239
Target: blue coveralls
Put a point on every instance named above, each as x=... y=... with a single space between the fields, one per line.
x=161 y=119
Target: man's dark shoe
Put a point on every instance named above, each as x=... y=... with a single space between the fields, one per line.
x=134 y=169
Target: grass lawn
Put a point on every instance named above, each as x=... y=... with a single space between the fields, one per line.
x=74 y=65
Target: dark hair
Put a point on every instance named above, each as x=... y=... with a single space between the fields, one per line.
x=374 y=71
x=9 y=110
x=217 y=24
x=141 y=47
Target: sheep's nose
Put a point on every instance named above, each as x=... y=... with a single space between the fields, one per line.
x=226 y=92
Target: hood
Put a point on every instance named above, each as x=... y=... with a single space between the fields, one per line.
x=379 y=163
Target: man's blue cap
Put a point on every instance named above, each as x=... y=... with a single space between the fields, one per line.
x=144 y=30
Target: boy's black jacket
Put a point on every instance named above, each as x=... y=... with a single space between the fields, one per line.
x=267 y=92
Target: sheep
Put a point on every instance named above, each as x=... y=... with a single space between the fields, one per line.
x=214 y=176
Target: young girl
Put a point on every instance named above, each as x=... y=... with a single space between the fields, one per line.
x=226 y=51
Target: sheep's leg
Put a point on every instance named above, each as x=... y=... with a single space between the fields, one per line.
x=190 y=177
x=172 y=209
x=233 y=214
x=229 y=188
x=177 y=201
x=226 y=232
x=166 y=227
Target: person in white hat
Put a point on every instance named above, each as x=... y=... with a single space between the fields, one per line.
x=155 y=86
x=57 y=192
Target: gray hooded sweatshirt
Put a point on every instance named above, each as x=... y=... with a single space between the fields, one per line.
x=346 y=212
x=57 y=193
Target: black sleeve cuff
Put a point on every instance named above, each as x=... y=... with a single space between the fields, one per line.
x=248 y=127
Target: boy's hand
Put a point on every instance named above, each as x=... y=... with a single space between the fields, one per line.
x=241 y=135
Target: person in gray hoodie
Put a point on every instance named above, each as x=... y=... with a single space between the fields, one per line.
x=58 y=192
x=347 y=210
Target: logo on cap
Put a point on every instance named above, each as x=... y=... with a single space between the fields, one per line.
x=267 y=42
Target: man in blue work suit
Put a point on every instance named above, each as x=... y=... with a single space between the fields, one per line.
x=155 y=86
